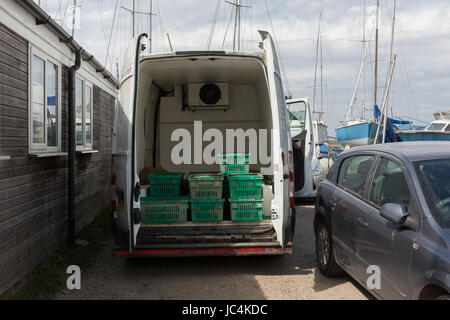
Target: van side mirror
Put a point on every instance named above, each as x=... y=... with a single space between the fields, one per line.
x=396 y=213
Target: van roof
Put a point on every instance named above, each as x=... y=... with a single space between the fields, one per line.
x=260 y=55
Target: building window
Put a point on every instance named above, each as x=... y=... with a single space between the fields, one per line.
x=45 y=104
x=84 y=114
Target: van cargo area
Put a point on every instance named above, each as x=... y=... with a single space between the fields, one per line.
x=165 y=98
x=175 y=133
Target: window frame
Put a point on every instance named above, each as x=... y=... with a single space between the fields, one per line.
x=369 y=176
x=85 y=146
x=406 y=175
x=37 y=148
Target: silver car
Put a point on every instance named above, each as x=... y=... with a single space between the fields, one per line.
x=383 y=217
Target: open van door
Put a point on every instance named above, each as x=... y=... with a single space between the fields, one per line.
x=283 y=212
x=125 y=181
x=304 y=143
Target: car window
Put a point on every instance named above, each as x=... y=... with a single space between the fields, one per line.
x=389 y=185
x=434 y=177
x=353 y=173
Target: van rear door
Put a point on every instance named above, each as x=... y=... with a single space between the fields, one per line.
x=281 y=147
x=126 y=181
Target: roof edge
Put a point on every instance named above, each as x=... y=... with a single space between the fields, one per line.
x=42 y=18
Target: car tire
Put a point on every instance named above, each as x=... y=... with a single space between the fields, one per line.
x=443 y=298
x=325 y=252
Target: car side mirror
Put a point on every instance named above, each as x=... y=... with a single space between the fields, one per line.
x=396 y=213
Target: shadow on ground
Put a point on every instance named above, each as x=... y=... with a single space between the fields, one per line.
x=223 y=278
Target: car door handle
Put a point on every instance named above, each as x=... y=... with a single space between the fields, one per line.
x=363 y=223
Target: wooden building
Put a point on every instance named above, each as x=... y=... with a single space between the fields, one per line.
x=35 y=57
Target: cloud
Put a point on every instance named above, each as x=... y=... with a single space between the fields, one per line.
x=422 y=76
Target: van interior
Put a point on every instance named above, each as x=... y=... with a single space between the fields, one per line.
x=165 y=105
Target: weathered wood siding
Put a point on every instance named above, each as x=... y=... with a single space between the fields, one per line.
x=33 y=192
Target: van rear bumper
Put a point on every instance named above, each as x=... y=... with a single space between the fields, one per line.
x=251 y=250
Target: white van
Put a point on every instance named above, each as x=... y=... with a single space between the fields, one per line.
x=159 y=94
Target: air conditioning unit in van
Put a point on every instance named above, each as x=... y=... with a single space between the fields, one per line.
x=208 y=95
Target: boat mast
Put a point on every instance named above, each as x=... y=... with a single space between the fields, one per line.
x=237 y=25
x=391 y=56
x=321 y=80
x=133 y=19
x=362 y=71
x=74 y=10
x=384 y=106
x=349 y=112
x=363 y=113
x=150 y=32
x=316 y=63
x=376 y=53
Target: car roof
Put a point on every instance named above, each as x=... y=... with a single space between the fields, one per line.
x=410 y=151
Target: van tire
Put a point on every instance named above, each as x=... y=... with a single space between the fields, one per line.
x=325 y=252
x=443 y=298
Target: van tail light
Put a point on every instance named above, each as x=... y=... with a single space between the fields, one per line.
x=283 y=157
x=291 y=180
x=113 y=184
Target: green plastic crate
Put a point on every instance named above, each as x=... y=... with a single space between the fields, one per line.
x=164 y=210
x=246 y=210
x=207 y=210
x=165 y=184
x=206 y=186
x=246 y=186
x=234 y=163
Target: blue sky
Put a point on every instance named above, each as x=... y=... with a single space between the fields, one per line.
x=421 y=82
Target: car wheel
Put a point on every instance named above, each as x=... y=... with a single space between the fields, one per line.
x=443 y=298
x=324 y=252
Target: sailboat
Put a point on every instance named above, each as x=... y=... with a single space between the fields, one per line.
x=320 y=129
x=361 y=131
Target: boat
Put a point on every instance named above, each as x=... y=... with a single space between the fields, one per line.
x=361 y=131
x=366 y=131
x=357 y=133
x=438 y=130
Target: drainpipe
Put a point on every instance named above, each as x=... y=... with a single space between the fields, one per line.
x=72 y=145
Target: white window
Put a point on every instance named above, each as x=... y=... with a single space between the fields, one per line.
x=45 y=105
x=83 y=114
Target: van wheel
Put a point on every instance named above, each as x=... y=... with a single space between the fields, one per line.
x=324 y=252
x=443 y=298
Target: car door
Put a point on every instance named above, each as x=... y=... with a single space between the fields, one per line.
x=347 y=197
x=381 y=243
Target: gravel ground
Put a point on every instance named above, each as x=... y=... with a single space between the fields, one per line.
x=223 y=278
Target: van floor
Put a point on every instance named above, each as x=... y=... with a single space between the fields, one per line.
x=207 y=233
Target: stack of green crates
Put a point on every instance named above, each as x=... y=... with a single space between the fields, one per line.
x=164 y=203
x=246 y=197
x=245 y=189
x=206 y=197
